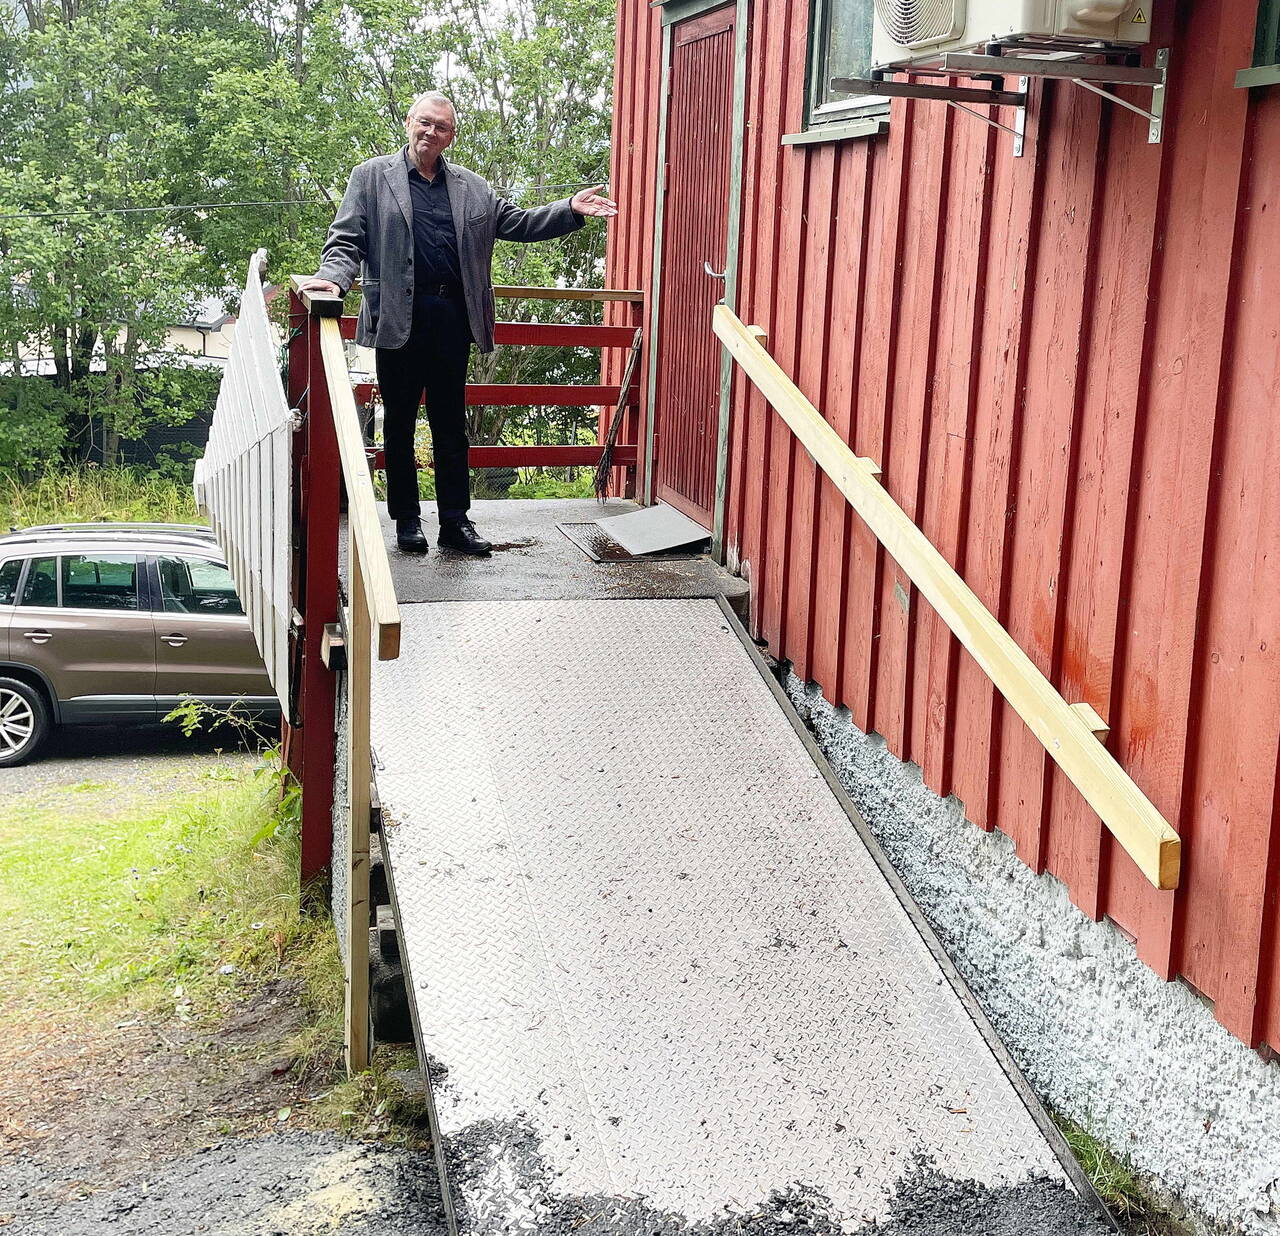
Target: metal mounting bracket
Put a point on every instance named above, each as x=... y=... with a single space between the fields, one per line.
x=953 y=96
x=995 y=68
x=1018 y=130
x=1091 y=77
x=1155 y=131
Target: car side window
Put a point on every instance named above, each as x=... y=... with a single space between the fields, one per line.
x=41 y=587
x=9 y=573
x=197 y=586
x=100 y=581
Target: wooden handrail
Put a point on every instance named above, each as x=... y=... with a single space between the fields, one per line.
x=362 y=511
x=1066 y=731
x=373 y=608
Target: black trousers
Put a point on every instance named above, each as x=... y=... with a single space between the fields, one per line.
x=434 y=360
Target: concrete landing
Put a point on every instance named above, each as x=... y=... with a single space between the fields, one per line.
x=534 y=560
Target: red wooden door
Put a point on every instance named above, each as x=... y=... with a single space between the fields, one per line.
x=695 y=231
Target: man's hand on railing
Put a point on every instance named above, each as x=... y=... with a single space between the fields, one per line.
x=315 y=284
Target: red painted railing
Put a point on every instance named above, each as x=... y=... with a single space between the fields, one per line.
x=552 y=335
x=309 y=733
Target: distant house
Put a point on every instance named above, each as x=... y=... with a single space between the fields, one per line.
x=203 y=340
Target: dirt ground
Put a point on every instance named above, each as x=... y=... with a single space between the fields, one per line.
x=162 y=1128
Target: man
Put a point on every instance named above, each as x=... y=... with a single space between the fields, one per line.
x=422 y=231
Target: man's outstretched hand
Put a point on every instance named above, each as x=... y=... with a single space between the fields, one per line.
x=589 y=202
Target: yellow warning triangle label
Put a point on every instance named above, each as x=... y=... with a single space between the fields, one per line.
x=1139 y=18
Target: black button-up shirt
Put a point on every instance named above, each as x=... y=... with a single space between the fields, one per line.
x=435 y=243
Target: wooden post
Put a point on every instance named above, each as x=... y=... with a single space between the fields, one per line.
x=359 y=774
x=315 y=587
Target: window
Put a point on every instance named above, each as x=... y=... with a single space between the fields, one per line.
x=1266 y=43
x=41 y=587
x=103 y=581
x=1266 y=48
x=197 y=586
x=9 y=573
x=841 y=47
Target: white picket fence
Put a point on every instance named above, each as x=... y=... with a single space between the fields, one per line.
x=243 y=482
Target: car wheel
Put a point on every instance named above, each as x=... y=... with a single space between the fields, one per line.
x=24 y=721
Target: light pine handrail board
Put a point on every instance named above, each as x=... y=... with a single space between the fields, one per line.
x=362 y=514
x=1065 y=734
x=359 y=775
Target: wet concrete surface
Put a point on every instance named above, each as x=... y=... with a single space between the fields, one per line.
x=534 y=560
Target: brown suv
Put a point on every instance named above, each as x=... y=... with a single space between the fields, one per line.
x=114 y=623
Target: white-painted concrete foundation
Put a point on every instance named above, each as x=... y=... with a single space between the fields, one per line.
x=1139 y=1063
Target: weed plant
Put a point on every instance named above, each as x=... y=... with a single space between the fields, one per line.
x=90 y=493
x=1138 y=1212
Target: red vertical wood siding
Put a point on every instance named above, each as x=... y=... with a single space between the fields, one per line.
x=1068 y=367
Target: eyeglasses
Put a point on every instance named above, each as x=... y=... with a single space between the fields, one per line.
x=428 y=126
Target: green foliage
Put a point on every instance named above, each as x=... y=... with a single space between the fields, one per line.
x=125 y=896
x=78 y=495
x=33 y=415
x=547 y=485
x=148 y=103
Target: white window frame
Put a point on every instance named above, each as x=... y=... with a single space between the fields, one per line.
x=842 y=111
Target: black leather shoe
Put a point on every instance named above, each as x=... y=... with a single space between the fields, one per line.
x=462 y=537
x=409 y=535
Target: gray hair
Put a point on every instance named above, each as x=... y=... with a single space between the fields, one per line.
x=434 y=96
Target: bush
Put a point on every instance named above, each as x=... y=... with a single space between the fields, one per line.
x=33 y=423
x=547 y=485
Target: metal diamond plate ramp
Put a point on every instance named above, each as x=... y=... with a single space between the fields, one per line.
x=660 y=980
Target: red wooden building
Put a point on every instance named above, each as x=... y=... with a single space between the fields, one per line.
x=1065 y=362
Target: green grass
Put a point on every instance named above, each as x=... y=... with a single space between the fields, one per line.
x=126 y=896
x=90 y=493
x=376 y=1104
x=1117 y=1184
x=135 y=899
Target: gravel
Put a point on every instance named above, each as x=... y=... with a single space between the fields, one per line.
x=498 y=1169
x=159 y=754
x=290 y=1184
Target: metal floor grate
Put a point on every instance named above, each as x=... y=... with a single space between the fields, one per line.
x=658 y=975
x=599 y=546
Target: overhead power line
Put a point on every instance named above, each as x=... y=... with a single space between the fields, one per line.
x=176 y=207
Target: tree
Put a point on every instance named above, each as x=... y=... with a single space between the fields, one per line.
x=95 y=114
x=118 y=117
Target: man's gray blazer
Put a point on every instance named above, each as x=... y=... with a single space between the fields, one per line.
x=372 y=236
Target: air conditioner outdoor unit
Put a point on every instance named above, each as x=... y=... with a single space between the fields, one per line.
x=908 y=31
